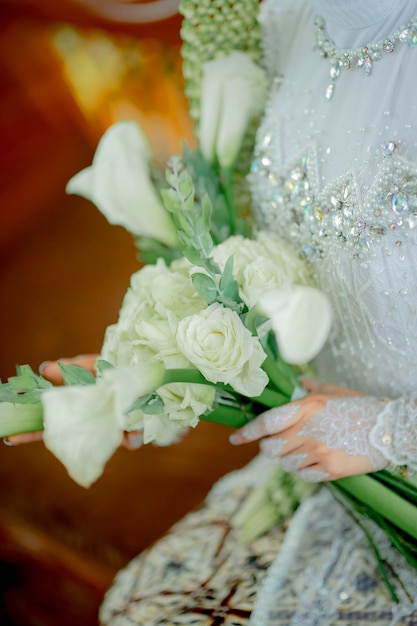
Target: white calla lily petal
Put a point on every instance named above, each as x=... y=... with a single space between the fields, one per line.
x=233 y=92
x=128 y=383
x=81 y=429
x=118 y=183
x=301 y=318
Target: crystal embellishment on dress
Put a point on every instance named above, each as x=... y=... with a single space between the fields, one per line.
x=340 y=215
x=364 y=57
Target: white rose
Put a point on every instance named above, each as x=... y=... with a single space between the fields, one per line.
x=218 y=344
x=119 y=184
x=301 y=318
x=285 y=258
x=233 y=92
x=261 y=264
x=167 y=288
x=184 y=403
x=146 y=330
x=83 y=425
x=160 y=430
x=259 y=277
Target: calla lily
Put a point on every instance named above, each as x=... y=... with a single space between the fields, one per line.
x=301 y=318
x=118 y=183
x=84 y=424
x=233 y=93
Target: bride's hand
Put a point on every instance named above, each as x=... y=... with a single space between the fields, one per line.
x=324 y=436
x=51 y=371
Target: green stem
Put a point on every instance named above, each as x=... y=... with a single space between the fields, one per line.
x=268 y=397
x=228 y=416
x=279 y=373
x=281 y=383
x=20 y=418
x=383 y=500
x=399 y=484
x=185 y=376
x=271 y=398
x=227 y=178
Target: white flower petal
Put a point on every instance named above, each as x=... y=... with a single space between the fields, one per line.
x=233 y=91
x=129 y=383
x=301 y=318
x=81 y=429
x=118 y=182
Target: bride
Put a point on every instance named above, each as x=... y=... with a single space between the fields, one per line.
x=335 y=168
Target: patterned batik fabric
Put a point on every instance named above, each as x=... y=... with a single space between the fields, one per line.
x=199 y=573
x=317 y=570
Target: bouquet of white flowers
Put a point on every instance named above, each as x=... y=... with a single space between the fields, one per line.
x=218 y=325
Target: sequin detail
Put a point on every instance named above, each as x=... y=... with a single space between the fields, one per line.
x=340 y=215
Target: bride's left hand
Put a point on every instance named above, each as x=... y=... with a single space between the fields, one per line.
x=323 y=436
x=52 y=372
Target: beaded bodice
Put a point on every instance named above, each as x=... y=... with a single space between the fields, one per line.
x=339 y=179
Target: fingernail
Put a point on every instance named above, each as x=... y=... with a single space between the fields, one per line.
x=312 y=475
x=235 y=439
x=7 y=441
x=135 y=440
x=272 y=447
x=43 y=366
x=276 y=419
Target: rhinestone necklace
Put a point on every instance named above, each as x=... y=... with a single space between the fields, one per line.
x=364 y=57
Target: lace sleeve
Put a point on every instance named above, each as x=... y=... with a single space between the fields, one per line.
x=395 y=432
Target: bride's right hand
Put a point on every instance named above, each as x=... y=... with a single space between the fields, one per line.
x=51 y=371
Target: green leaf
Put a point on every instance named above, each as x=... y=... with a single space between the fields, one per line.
x=228 y=286
x=205 y=287
x=21 y=383
x=237 y=307
x=102 y=365
x=7 y=394
x=150 y=250
x=76 y=375
x=41 y=382
x=154 y=406
x=151 y=404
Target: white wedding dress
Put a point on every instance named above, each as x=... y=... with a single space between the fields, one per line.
x=338 y=177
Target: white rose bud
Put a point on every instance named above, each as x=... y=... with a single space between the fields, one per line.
x=118 y=183
x=233 y=93
x=301 y=318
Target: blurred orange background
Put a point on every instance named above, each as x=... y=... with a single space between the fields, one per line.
x=69 y=69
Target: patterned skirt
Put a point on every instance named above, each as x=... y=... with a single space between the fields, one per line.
x=316 y=570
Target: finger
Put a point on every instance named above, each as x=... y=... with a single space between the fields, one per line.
x=17 y=440
x=293 y=462
x=309 y=385
x=269 y=423
x=52 y=371
x=331 y=389
x=132 y=440
x=313 y=475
